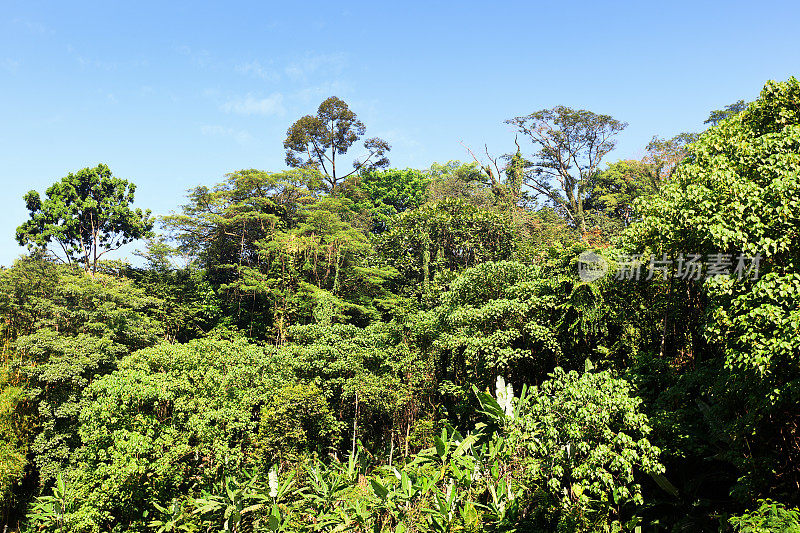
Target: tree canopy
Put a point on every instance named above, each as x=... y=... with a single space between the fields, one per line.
x=570 y=145
x=419 y=350
x=314 y=141
x=88 y=214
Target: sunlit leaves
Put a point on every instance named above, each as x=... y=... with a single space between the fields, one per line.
x=87 y=214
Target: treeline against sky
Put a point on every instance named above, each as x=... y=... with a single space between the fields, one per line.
x=375 y=349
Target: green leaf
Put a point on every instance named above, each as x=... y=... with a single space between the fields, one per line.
x=378 y=488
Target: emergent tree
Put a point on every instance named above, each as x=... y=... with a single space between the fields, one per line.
x=314 y=141
x=88 y=214
x=571 y=144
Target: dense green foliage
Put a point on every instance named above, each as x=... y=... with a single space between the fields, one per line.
x=414 y=350
x=87 y=214
x=738 y=194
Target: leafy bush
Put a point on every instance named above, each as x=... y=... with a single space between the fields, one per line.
x=171 y=418
x=769 y=517
x=296 y=420
x=585 y=440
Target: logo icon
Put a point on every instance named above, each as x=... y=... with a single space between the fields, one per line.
x=591 y=266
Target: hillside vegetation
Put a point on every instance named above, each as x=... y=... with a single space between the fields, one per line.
x=378 y=349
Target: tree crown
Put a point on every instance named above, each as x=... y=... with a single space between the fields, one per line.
x=87 y=213
x=314 y=141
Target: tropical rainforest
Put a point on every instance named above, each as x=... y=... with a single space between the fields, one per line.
x=345 y=346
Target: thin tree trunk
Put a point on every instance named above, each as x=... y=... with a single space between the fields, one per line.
x=408 y=433
x=355 y=427
x=391 y=446
x=336 y=270
x=666 y=315
x=426 y=259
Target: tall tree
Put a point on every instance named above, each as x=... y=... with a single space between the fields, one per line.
x=664 y=155
x=314 y=141
x=718 y=115
x=613 y=190
x=87 y=213
x=737 y=199
x=571 y=144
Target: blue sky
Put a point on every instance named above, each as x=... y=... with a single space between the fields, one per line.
x=172 y=95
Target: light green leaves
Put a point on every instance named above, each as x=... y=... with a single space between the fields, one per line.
x=587 y=437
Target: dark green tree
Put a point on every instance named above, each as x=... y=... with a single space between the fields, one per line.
x=269 y=241
x=88 y=214
x=736 y=334
x=314 y=141
x=731 y=110
x=443 y=237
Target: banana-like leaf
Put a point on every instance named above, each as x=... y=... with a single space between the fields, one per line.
x=377 y=487
x=664 y=483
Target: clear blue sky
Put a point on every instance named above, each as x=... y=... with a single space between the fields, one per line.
x=175 y=94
